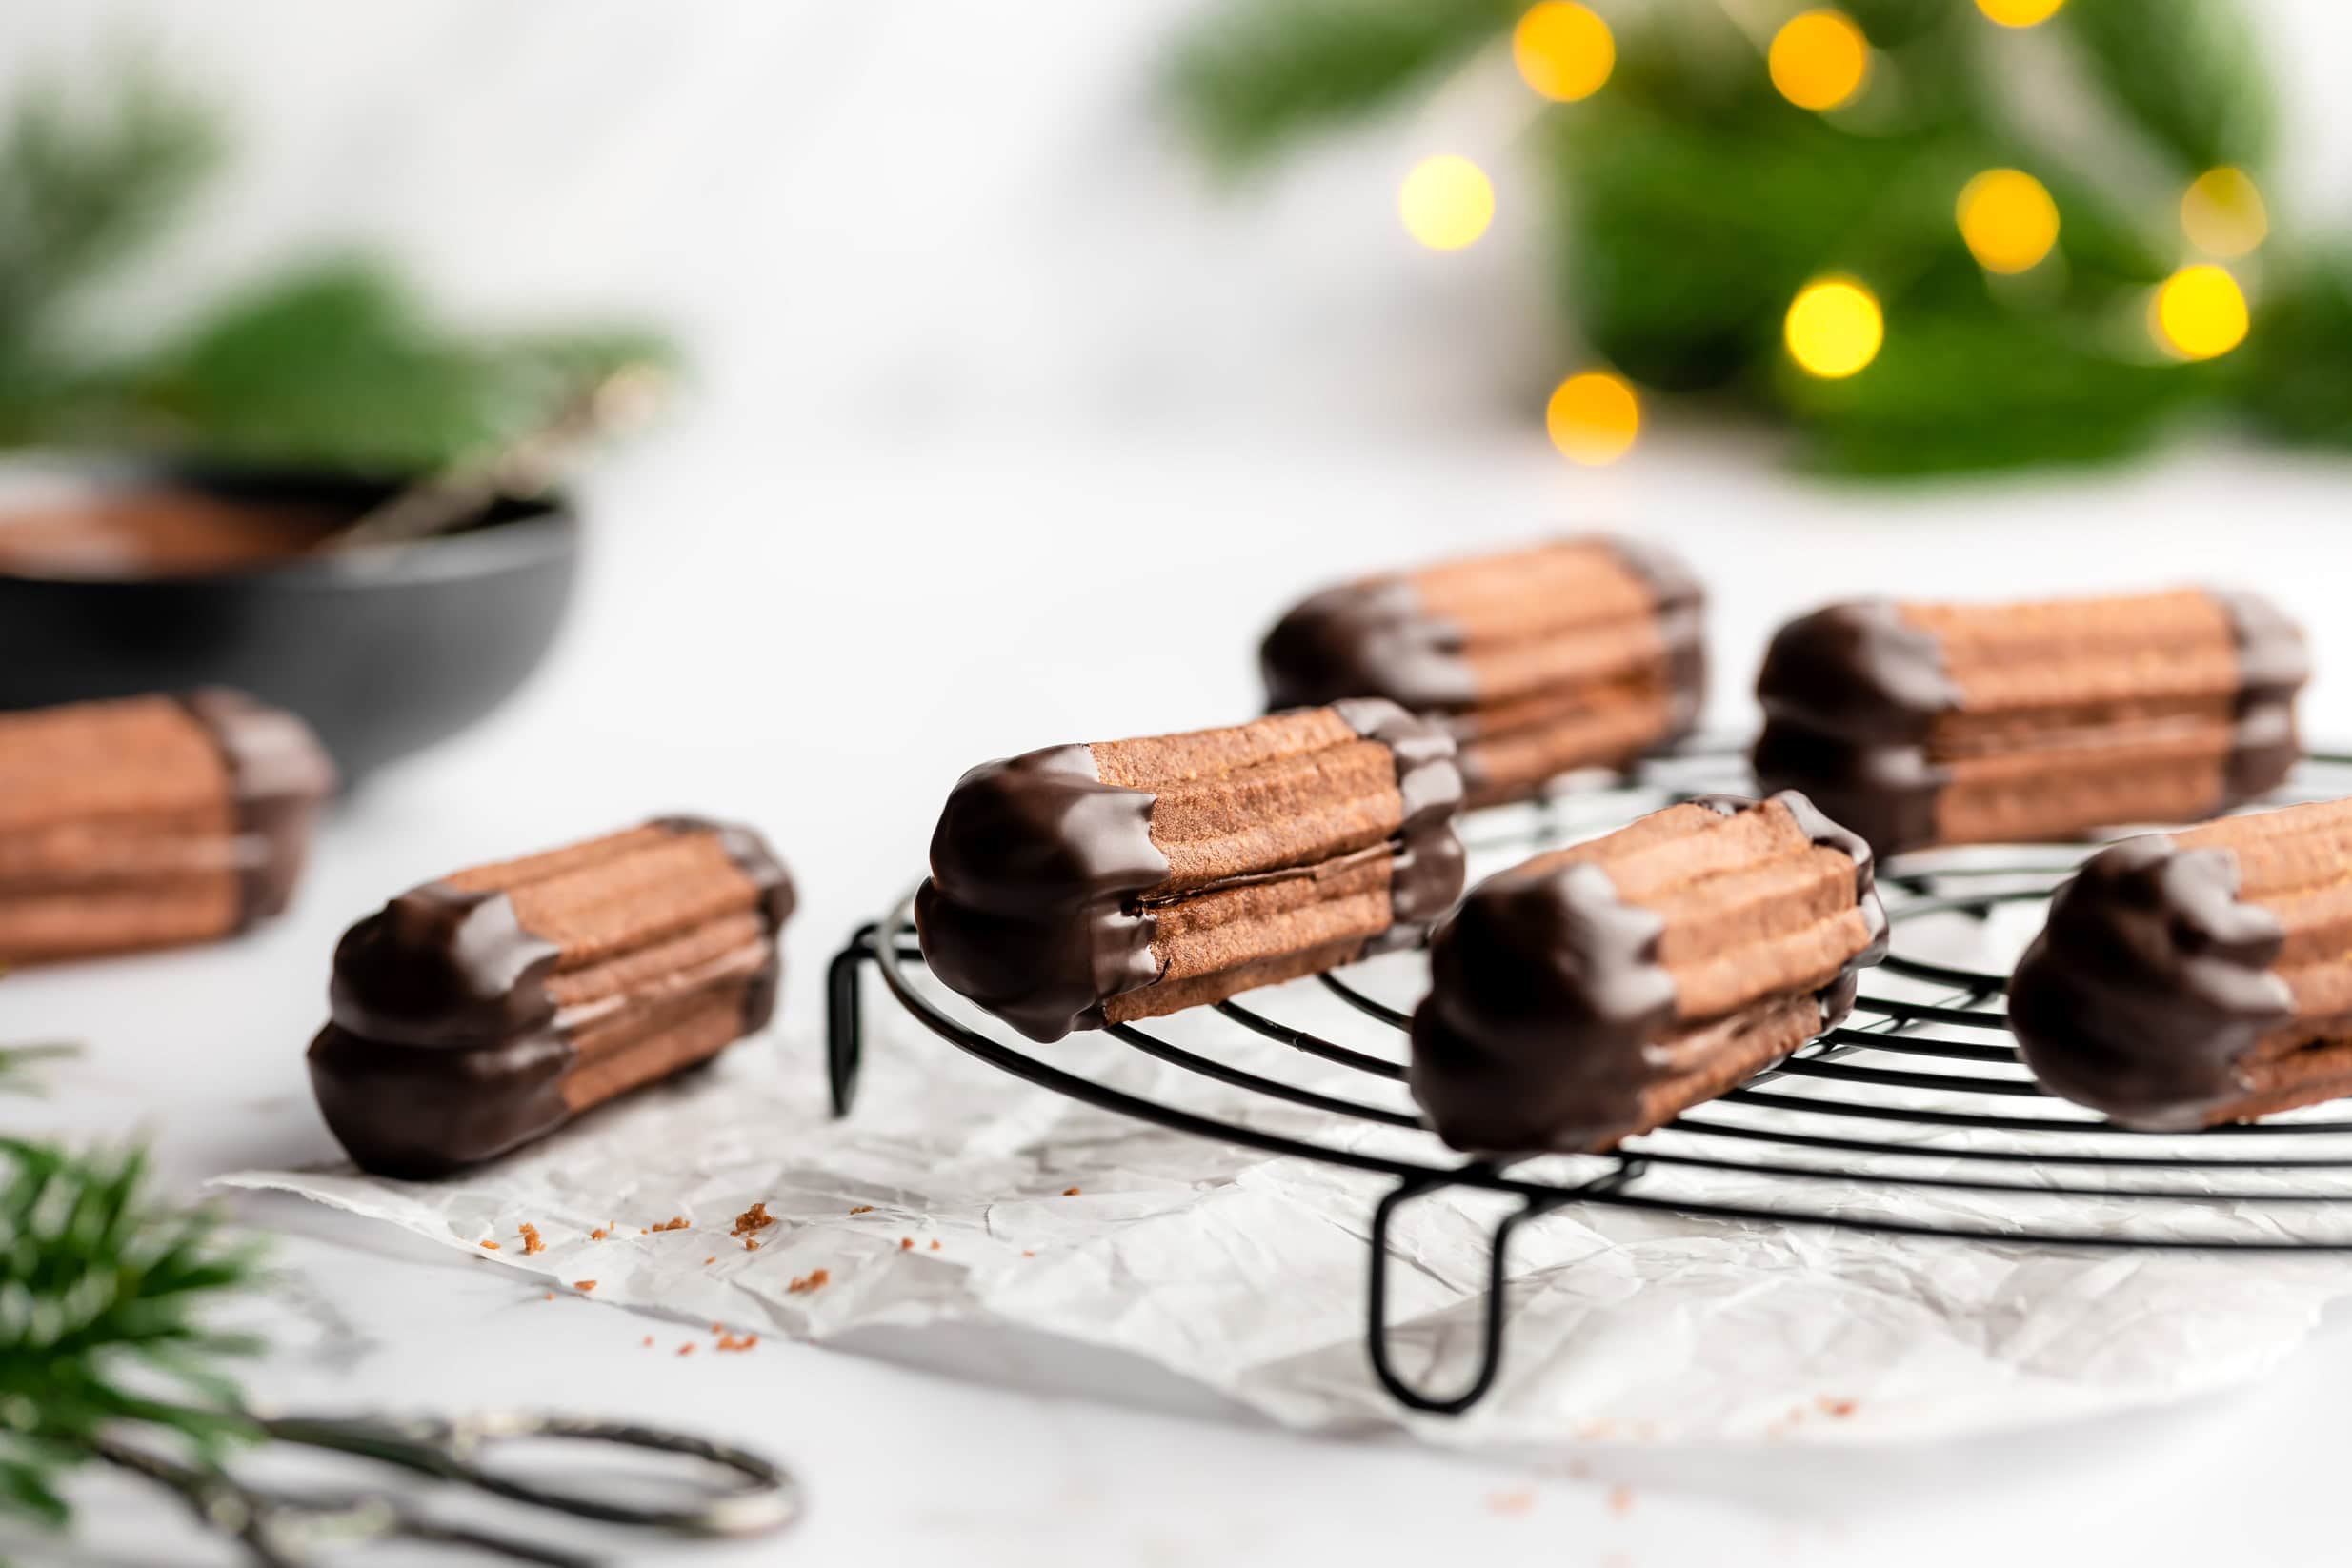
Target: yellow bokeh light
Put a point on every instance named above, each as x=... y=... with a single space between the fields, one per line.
x=1593 y=417
x=1834 y=327
x=1446 y=202
x=1819 y=59
x=1564 y=51
x=2019 y=14
x=2199 y=312
x=2008 y=220
x=2223 y=214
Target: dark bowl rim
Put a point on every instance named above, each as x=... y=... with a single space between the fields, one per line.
x=545 y=528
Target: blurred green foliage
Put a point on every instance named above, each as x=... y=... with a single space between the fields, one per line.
x=333 y=362
x=1689 y=203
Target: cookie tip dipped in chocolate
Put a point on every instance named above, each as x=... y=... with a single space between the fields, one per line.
x=1594 y=993
x=1575 y=653
x=1080 y=886
x=1922 y=724
x=476 y=1013
x=151 y=821
x=2188 y=980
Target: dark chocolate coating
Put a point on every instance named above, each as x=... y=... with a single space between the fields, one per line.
x=1849 y=695
x=1033 y=908
x=1681 y=626
x=2273 y=664
x=1373 y=639
x=440 y=968
x=1427 y=873
x=1030 y=908
x=415 y=1111
x=445 y=1047
x=279 y=776
x=1546 y=995
x=2148 y=984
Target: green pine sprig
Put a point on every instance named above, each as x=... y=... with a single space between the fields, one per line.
x=103 y=1291
x=331 y=362
x=1690 y=203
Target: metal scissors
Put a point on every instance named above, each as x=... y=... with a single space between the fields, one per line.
x=287 y=1529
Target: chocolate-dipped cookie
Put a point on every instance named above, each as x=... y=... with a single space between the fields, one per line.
x=1086 y=885
x=1594 y=991
x=151 y=822
x=1584 y=652
x=484 y=1010
x=2204 y=977
x=1920 y=724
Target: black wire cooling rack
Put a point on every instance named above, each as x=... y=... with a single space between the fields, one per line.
x=1914 y=1118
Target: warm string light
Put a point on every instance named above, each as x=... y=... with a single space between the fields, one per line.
x=2008 y=220
x=1833 y=327
x=1564 y=50
x=1446 y=202
x=1819 y=59
x=2019 y=14
x=2199 y=312
x=2222 y=212
x=1593 y=417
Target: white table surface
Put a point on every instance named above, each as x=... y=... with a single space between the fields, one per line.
x=818 y=641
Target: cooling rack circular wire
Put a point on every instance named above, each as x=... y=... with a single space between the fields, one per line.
x=1914 y=1117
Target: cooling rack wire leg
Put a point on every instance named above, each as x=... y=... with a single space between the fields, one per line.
x=1498 y=1268
x=845 y=1042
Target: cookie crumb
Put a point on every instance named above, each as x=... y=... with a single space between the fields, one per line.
x=730 y=1341
x=1621 y=1499
x=583 y=1284
x=549 y=1296
x=1835 y=1407
x=906 y=1243
x=1518 y=1500
x=649 y=1342
x=751 y=1244
x=687 y=1349
x=1026 y=1253
x=712 y=1258
x=1070 y=1192
x=757 y=1217
x=598 y=1233
x=814 y=1281
x=489 y=1246
x=863 y=1209
x=530 y=1239
x=935 y=1246
x=676 y=1222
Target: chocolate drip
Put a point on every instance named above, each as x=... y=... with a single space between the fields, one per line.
x=439 y=968
x=1681 y=627
x=2150 y=982
x=2273 y=664
x=1371 y=638
x=1544 y=989
x=1547 y=1000
x=1850 y=693
x=279 y=776
x=1031 y=908
x=1427 y=874
x=753 y=856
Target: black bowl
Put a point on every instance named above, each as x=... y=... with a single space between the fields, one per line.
x=384 y=650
